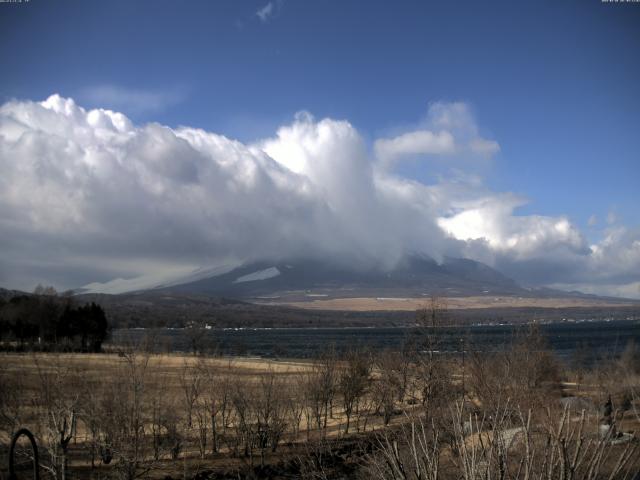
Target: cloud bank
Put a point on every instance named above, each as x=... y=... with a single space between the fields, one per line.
x=87 y=196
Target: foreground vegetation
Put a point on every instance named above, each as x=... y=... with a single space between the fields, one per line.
x=402 y=414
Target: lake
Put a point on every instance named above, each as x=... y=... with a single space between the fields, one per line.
x=594 y=338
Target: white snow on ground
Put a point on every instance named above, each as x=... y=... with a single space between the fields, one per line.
x=259 y=275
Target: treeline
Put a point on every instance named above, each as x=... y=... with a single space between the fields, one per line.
x=47 y=321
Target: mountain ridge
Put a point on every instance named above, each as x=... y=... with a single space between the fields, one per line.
x=413 y=275
x=305 y=279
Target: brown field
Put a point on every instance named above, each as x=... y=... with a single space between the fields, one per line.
x=79 y=379
x=454 y=303
x=183 y=394
x=163 y=372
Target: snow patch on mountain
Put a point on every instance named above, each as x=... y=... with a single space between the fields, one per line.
x=126 y=285
x=259 y=275
x=202 y=273
x=159 y=280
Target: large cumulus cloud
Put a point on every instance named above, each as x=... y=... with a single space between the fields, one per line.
x=85 y=195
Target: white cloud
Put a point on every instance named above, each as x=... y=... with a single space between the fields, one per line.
x=449 y=129
x=268 y=11
x=617 y=256
x=88 y=196
x=484 y=147
x=420 y=142
x=492 y=219
x=265 y=12
x=109 y=199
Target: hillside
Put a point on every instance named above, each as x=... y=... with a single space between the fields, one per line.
x=300 y=279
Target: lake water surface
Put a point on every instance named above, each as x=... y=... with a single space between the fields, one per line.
x=595 y=338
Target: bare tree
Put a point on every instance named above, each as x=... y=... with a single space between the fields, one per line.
x=433 y=313
x=320 y=384
x=493 y=447
x=295 y=404
x=414 y=454
x=193 y=382
x=352 y=382
x=124 y=415
x=90 y=414
x=433 y=380
x=244 y=423
x=203 y=420
x=388 y=386
x=58 y=399
x=269 y=412
x=166 y=437
x=526 y=374
x=191 y=385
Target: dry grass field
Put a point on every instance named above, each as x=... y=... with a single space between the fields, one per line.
x=133 y=414
x=454 y=303
x=192 y=393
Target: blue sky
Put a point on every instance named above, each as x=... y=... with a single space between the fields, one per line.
x=554 y=83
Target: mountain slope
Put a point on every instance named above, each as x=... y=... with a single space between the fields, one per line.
x=414 y=276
